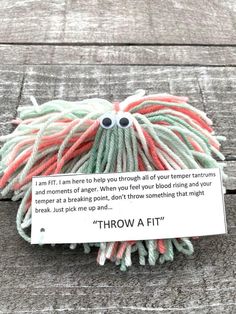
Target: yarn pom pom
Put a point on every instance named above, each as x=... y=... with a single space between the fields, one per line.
x=143 y=133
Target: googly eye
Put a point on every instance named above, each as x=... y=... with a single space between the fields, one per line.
x=107 y=120
x=124 y=120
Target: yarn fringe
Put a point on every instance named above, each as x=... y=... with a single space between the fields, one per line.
x=150 y=252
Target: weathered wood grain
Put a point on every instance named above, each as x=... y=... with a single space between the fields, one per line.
x=230 y=170
x=73 y=49
x=121 y=55
x=145 y=21
x=57 y=280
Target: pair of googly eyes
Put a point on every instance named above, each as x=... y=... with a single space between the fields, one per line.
x=109 y=120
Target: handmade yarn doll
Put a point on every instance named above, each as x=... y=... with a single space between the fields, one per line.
x=156 y=132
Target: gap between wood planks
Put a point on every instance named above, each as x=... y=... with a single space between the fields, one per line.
x=117 y=55
x=98 y=44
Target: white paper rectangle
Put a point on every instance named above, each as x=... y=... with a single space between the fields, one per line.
x=80 y=208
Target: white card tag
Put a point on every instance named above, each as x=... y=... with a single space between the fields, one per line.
x=80 y=208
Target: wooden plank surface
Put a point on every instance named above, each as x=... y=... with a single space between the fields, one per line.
x=75 y=49
x=137 y=21
x=58 y=280
x=118 y=55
